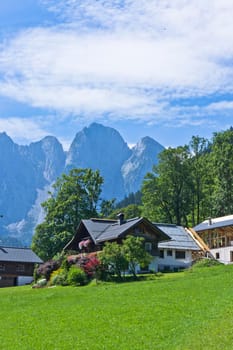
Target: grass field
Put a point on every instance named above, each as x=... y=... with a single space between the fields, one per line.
x=176 y=311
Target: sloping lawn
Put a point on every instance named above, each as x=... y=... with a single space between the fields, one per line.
x=176 y=311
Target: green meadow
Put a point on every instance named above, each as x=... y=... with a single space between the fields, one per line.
x=186 y=310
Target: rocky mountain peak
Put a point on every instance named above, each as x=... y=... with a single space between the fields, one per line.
x=102 y=148
x=28 y=172
x=144 y=156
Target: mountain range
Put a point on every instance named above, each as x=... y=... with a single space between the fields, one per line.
x=28 y=172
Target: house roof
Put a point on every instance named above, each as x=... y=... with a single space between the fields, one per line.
x=213 y=223
x=180 y=238
x=105 y=230
x=97 y=227
x=24 y=255
x=102 y=230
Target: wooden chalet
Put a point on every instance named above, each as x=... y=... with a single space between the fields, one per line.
x=217 y=233
x=17 y=265
x=93 y=233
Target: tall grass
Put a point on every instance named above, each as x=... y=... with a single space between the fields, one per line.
x=191 y=310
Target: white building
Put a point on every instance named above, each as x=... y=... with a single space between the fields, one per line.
x=217 y=233
x=180 y=252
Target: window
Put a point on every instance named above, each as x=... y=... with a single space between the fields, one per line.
x=2 y=267
x=180 y=254
x=148 y=246
x=20 y=268
x=161 y=254
x=169 y=252
x=217 y=256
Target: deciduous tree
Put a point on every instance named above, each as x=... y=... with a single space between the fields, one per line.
x=135 y=253
x=222 y=161
x=202 y=179
x=112 y=257
x=166 y=191
x=75 y=197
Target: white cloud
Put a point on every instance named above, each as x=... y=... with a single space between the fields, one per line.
x=23 y=130
x=220 y=106
x=127 y=58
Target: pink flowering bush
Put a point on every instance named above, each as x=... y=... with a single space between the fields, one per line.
x=46 y=269
x=89 y=263
x=91 y=266
x=84 y=244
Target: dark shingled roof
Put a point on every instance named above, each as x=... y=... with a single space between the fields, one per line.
x=180 y=238
x=115 y=230
x=212 y=223
x=24 y=255
x=96 y=227
x=102 y=230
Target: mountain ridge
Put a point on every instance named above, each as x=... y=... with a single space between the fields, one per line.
x=28 y=172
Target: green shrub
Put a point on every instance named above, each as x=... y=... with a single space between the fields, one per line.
x=76 y=276
x=58 y=277
x=205 y=262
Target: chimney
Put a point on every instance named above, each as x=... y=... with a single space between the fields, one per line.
x=209 y=221
x=120 y=218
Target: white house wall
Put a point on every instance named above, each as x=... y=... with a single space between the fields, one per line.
x=169 y=262
x=22 y=280
x=172 y=263
x=225 y=254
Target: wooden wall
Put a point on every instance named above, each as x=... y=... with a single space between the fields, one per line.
x=7 y=281
x=9 y=271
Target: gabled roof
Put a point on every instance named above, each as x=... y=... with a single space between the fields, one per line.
x=213 y=223
x=180 y=238
x=115 y=230
x=97 y=227
x=21 y=255
x=102 y=230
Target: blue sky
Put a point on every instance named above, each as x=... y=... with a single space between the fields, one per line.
x=160 y=68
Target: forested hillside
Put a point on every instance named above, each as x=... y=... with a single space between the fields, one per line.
x=191 y=182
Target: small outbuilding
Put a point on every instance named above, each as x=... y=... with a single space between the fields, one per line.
x=17 y=266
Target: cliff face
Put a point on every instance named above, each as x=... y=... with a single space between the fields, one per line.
x=103 y=148
x=28 y=172
x=144 y=156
